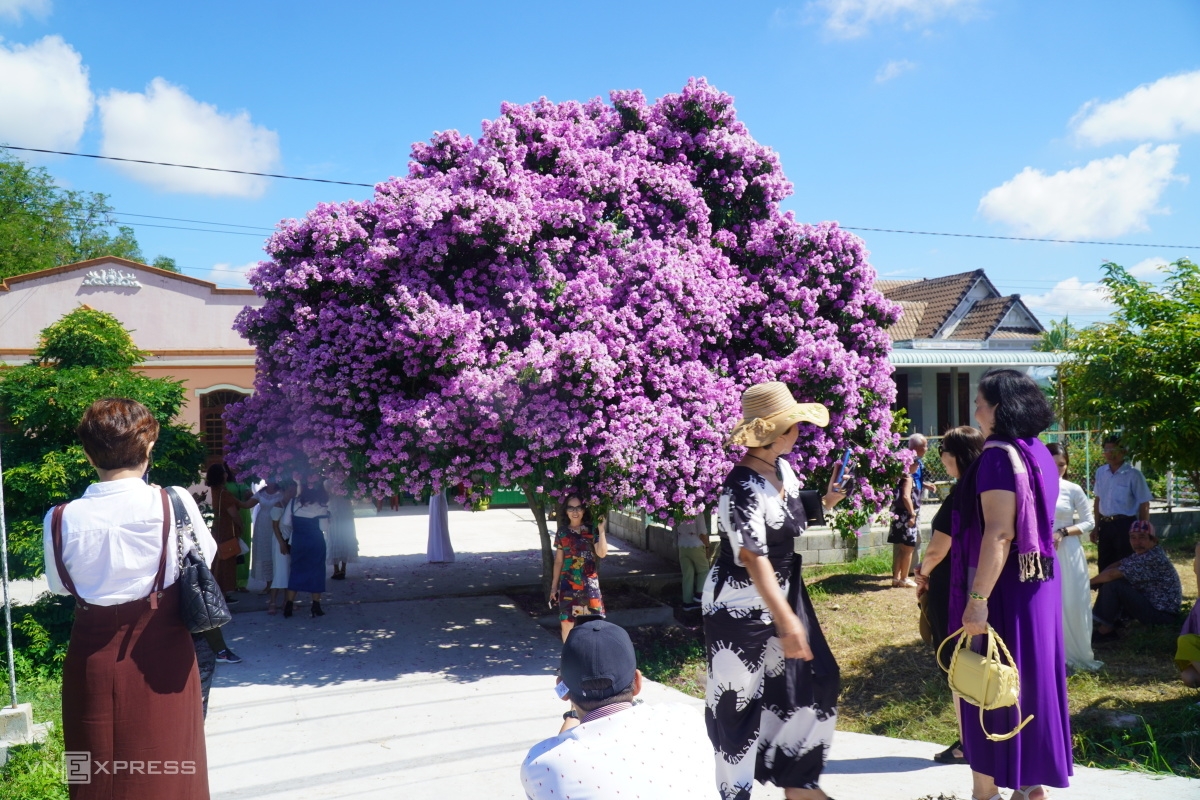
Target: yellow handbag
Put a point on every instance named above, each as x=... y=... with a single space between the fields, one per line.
x=984 y=680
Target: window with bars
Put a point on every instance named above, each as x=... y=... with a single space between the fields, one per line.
x=212 y=423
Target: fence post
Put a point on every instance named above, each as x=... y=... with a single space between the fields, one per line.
x=1170 y=490
x=1087 y=460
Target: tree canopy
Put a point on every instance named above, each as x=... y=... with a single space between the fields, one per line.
x=1139 y=374
x=85 y=356
x=44 y=226
x=577 y=297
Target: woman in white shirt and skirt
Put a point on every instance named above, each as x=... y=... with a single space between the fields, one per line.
x=308 y=518
x=1073 y=519
x=131 y=690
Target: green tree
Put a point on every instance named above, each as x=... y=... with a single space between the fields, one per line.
x=167 y=263
x=1140 y=373
x=44 y=226
x=1058 y=337
x=83 y=357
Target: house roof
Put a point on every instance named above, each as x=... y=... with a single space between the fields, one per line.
x=940 y=296
x=975 y=358
x=983 y=318
x=6 y=284
x=911 y=313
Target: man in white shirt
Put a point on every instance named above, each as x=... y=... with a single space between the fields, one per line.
x=1122 y=497
x=609 y=747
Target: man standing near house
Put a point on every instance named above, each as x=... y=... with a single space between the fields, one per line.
x=1122 y=497
x=919 y=445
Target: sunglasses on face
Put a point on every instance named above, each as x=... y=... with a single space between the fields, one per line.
x=574 y=508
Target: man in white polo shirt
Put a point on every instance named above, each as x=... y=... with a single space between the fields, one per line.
x=1122 y=497
x=610 y=747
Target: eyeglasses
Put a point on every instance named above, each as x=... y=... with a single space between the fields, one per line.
x=574 y=508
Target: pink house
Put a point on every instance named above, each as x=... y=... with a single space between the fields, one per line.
x=185 y=323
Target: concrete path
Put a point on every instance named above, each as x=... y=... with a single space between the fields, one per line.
x=494 y=550
x=439 y=698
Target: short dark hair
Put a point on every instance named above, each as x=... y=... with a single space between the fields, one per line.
x=1112 y=438
x=117 y=432
x=1022 y=410
x=313 y=494
x=1058 y=449
x=215 y=476
x=965 y=444
x=602 y=684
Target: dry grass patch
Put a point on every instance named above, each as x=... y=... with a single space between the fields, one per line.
x=1133 y=714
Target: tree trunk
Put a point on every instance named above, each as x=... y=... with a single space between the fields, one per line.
x=539 y=516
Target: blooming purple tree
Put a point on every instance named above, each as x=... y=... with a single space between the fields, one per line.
x=576 y=298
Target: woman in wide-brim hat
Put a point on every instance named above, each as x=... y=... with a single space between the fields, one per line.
x=772 y=680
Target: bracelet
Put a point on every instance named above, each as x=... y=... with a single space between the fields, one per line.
x=977 y=596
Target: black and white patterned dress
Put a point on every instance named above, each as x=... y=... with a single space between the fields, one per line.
x=770 y=719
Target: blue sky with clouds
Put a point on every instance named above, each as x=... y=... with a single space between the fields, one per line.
x=1063 y=120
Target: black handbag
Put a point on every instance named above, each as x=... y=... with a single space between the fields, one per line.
x=201 y=601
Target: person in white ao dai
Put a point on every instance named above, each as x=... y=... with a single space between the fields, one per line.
x=1073 y=519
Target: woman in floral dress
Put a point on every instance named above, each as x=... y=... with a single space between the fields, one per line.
x=576 y=584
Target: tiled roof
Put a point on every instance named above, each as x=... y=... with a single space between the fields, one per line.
x=1017 y=333
x=940 y=295
x=910 y=317
x=983 y=318
x=886 y=286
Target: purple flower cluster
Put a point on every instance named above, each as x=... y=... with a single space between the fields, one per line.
x=579 y=296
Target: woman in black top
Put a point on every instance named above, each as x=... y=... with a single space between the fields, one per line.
x=959 y=449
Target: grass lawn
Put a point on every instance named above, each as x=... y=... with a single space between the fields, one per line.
x=1133 y=714
x=34 y=772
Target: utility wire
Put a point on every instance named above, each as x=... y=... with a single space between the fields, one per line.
x=1024 y=238
x=371 y=186
x=198 y=221
x=185 y=166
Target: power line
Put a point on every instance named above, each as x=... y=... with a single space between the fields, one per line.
x=185 y=166
x=198 y=221
x=181 y=228
x=1023 y=238
x=371 y=186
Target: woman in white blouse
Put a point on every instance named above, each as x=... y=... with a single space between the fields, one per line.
x=131 y=690
x=1072 y=562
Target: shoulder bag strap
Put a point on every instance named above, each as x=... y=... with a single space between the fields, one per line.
x=56 y=539
x=157 y=589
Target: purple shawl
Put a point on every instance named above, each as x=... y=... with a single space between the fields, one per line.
x=1034 y=530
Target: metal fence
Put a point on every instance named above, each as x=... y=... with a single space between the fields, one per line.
x=1086 y=455
x=1083 y=449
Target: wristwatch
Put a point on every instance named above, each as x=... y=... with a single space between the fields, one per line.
x=572 y=714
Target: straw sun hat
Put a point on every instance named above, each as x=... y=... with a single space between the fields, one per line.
x=768 y=410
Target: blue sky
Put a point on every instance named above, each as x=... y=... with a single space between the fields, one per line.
x=1076 y=120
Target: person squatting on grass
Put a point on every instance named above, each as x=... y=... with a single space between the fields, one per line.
x=1144 y=586
x=611 y=745
x=1187 y=652
x=1004 y=573
x=130 y=690
x=576 y=583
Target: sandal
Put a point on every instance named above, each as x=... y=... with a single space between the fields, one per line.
x=272 y=609
x=947 y=756
x=1023 y=794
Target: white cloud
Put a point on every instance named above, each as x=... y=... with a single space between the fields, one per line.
x=13 y=9
x=1148 y=268
x=893 y=69
x=849 y=19
x=1106 y=197
x=1072 y=298
x=1169 y=108
x=45 y=100
x=167 y=124
x=230 y=276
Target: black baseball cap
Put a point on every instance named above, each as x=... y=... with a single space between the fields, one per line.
x=597 y=650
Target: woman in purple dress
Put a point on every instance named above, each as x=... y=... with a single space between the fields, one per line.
x=1004 y=573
